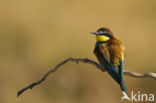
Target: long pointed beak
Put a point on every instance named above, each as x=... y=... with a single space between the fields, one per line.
x=95 y=33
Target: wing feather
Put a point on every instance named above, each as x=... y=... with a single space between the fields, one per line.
x=111 y=54
x=117 y=56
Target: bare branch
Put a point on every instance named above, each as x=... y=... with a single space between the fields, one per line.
x=85 y=60
x=138 y=75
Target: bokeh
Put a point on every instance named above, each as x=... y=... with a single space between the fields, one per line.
x=36 y=35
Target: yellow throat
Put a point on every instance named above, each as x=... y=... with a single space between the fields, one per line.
x=102 y=38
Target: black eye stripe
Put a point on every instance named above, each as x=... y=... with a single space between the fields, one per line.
x=105 y=33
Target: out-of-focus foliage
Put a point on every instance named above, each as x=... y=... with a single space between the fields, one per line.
x=35 y=35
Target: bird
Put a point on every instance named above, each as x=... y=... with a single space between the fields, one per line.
x=110 y=53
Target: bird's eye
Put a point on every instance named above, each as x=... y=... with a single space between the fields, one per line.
x=102 y=32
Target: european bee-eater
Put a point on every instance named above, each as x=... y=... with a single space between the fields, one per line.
x=110 y=54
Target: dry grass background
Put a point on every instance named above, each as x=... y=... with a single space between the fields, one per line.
x=35 y=35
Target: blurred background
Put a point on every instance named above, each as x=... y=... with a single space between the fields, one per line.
x=35 y=35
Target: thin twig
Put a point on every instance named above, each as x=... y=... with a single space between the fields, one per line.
x=85 y=60
x=138 y=75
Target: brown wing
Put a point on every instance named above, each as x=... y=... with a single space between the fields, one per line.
x=104 y=48
x=111 y=52
x=111 y=55
x=100 y=54
x=117 y=52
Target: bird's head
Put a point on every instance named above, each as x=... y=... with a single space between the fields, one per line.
x=103 y=34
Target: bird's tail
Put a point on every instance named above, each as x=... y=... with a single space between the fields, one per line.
x=119 y=81
x=123 y=87
x=125 y=92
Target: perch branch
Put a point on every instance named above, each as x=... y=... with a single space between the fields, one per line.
x=85 y=60
x=138 y=75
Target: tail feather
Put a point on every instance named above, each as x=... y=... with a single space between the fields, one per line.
x=114 y=74
x=123 y=87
